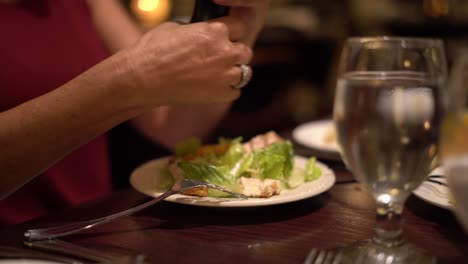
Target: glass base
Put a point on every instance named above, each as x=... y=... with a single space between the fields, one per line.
x=367 y=252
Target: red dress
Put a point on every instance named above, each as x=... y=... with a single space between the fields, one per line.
x=44 y=44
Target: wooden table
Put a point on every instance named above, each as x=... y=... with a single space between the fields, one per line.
x=174 y=233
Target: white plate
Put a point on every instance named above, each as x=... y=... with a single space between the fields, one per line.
x=315 y=136
x=433 y=193
x=145 y=179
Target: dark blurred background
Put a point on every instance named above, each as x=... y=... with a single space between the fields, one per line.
x=295 y=60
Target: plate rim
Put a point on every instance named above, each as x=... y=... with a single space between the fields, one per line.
x=421 y=195
x=325 y=184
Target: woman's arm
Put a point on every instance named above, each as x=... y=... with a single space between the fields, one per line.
x=41 y=131
x=158 y=69
x=113 y=24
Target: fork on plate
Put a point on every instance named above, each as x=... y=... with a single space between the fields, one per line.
x=438 y=179
x=73 y=228
x=321 y=256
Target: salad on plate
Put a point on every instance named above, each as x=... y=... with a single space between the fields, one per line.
x=261 y=167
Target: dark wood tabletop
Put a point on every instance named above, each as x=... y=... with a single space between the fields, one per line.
x=285 y=233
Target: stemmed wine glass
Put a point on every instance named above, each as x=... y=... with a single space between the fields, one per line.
x=454 y=147
x=388 y=112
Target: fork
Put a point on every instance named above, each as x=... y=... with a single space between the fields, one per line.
x=317 y=256
x=73 y=228
x=437 y=182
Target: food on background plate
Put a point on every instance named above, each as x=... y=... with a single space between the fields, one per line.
x=261 y=167
x=330 y=136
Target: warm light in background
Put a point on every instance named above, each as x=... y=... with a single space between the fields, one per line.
x=151 y=12
x=148 y=5
x=436 y=8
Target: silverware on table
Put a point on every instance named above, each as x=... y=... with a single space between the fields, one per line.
x=73 y=228
x=85 y=254
x=320 y=256
x=438 y=179
x=13 y=253
x=437 y=182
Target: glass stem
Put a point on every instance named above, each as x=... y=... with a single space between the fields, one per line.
x=389 y=232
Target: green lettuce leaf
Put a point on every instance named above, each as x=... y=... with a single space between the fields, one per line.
x=187 y=146
x=203 y=172
x=273 y=162
x=209 y=173
x=164 y=180
x=296 y=178
x=312 y=171
x=234 y=153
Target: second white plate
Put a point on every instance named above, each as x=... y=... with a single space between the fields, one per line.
x=433 y=193
x=319 y=136
x=145 y=179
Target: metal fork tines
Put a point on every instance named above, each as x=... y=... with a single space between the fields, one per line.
x=317 y=256
x=73 y=228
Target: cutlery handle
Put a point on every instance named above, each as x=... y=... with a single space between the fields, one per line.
x=73 y=228
x=85 y=253
x=206 y=9
x=7 y=252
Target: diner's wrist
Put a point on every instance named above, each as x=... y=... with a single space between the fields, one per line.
x=125 y=85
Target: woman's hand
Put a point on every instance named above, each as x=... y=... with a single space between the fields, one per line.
x=251 y=12
x=194 y=63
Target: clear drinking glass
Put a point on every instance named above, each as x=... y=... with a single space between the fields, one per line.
x=454 y=148
x=388 y=111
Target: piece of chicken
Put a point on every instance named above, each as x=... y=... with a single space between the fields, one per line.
x=261 y=141
x=254 y=187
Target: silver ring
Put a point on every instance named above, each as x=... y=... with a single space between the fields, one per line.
x=246 y=75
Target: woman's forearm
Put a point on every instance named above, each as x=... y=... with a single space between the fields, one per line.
x=171 y=125
x=41 y=131
x=113 y=24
